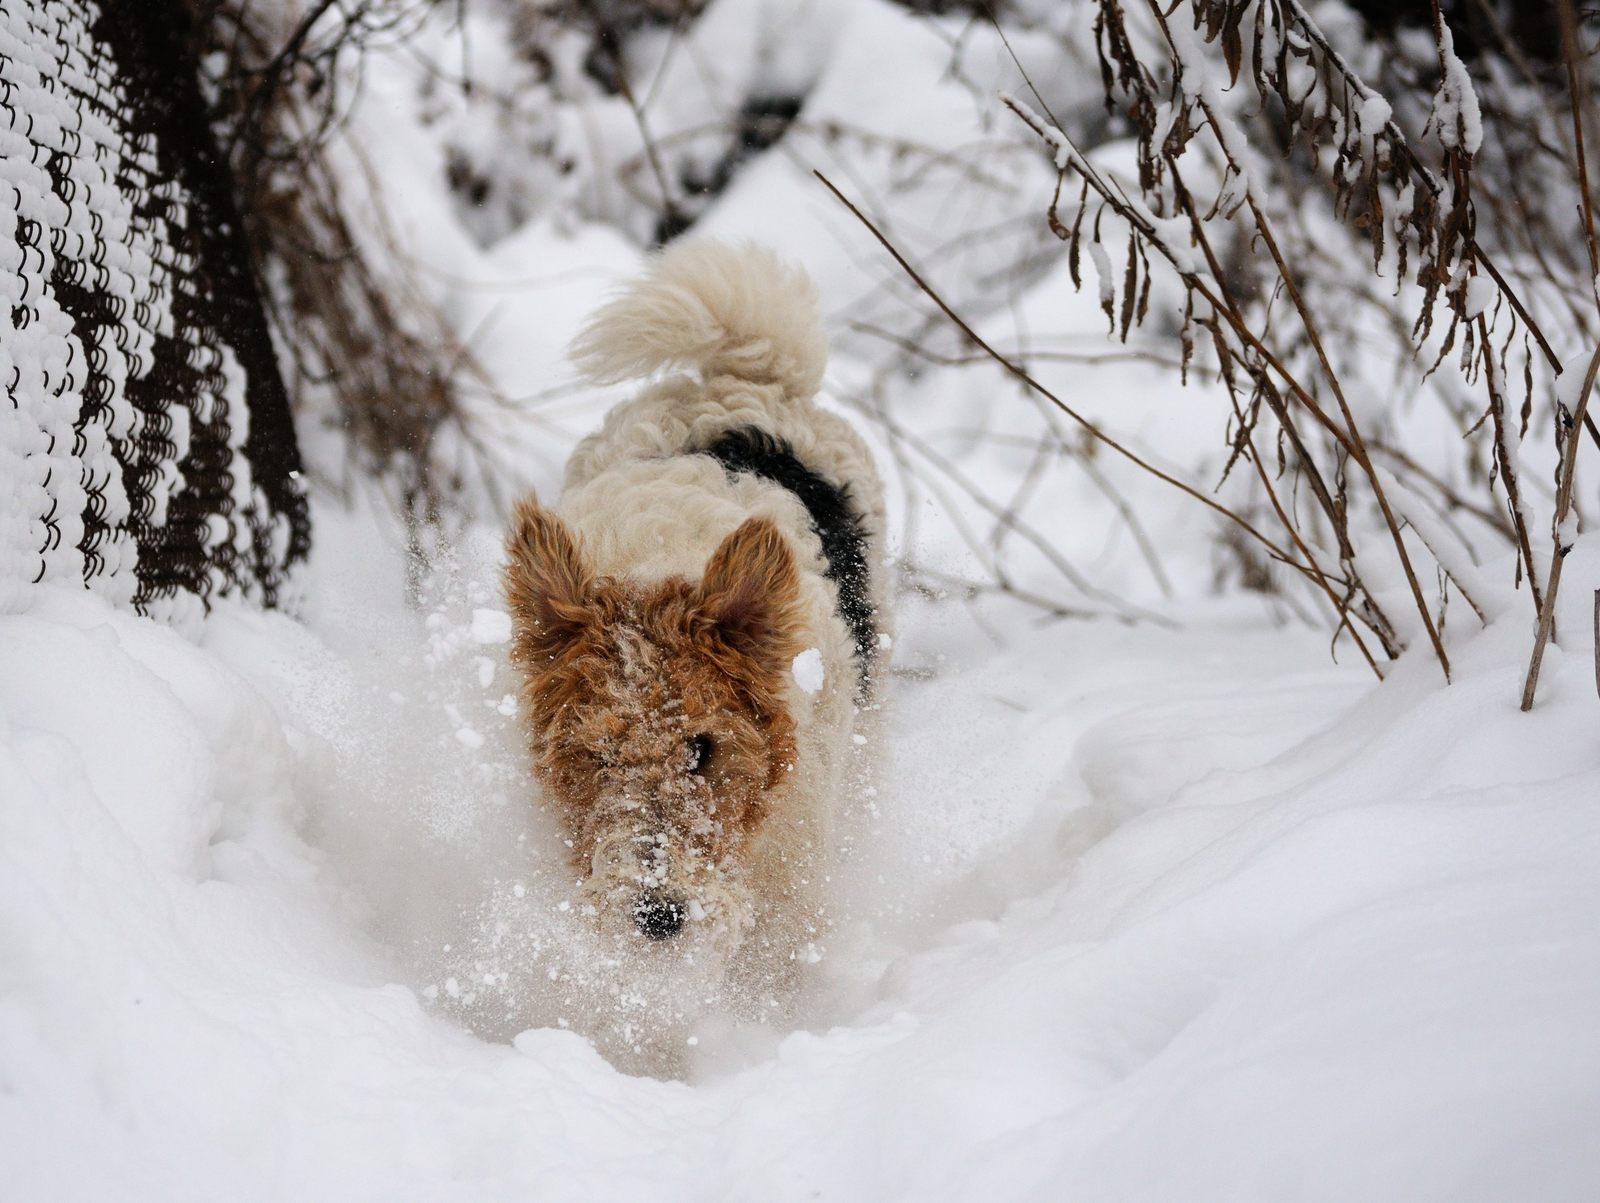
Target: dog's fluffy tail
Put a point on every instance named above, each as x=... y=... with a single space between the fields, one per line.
x=725 y=310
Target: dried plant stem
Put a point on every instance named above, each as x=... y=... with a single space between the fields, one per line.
x=1569 y=51
x=610 y=43
x=1230 y=314
x=1402 y=147
x=1192 y=280
x=1355 y=444
x=1015 y=370
x=912 y=454
x=1567 y=426
x=1358 y=446
x=1085 y=358
x=1597 y=640
x=1130 y=518
x=248 y=133
x=917 y=574
x=1166 y=68
x=1452 y=500
x=1505 y=457
x=1005 y=519
x=1372 y=614
x=1575 y=92
x=1569 y=464
x=1341 y=605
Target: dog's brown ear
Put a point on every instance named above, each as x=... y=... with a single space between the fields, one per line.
x=751 y=594
x=549 y=586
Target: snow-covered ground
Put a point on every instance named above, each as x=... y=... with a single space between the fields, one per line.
x=1174 y=909
x=1155 y=914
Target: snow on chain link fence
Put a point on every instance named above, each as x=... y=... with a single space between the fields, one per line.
x=146 y=446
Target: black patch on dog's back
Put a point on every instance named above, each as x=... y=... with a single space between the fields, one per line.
x=837 y=523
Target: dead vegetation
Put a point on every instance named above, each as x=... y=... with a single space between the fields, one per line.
x=360 y=340
x=1301 y=207
x=1397 y=204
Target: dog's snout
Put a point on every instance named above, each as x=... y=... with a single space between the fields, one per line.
x=657 y=916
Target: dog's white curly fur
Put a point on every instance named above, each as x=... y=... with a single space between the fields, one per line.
x=746 y=327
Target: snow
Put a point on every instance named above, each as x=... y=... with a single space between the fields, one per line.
x=1372 y=114
x=1569 y=385
x=1169 y=917
x=1481 y=293
x=491 y=626
x=1165 y=905
x=808 y=670
x=1456 y=114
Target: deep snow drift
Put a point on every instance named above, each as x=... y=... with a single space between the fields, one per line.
x=1174 y=909
x=1161 y=915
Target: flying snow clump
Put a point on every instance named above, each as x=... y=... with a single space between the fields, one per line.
x=808 y=671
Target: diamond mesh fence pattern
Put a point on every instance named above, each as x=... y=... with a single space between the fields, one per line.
x=146 y=447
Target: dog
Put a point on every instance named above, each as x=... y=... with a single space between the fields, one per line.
x=701 y=622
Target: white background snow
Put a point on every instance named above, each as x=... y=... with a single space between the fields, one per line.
x=1175 y=909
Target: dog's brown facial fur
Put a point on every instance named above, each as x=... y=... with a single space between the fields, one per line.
x=657 y=713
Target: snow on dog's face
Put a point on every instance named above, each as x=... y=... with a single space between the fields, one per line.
x=657 y=721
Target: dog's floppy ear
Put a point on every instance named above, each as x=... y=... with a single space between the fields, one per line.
x=549 y=586
x=751 y=594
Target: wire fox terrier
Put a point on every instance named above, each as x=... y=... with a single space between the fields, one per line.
x=699 y=620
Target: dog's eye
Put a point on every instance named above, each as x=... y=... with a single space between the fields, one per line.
x=699 y=752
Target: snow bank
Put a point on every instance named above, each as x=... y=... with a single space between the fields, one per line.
x=1155 y=914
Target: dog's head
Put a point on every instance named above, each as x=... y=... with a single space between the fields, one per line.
x=658 y=720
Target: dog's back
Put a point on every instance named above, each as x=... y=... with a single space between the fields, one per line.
x=734 y=432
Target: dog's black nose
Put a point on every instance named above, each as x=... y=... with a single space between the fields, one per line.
x=658 y=916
